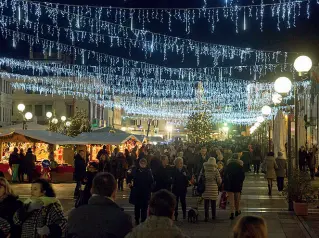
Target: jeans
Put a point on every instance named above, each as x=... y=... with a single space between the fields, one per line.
x=182 y=198
x=77 y=188
x=280 y=183
x=256 y=166
x=206 y=207
x=140 y=210
x=234 y=200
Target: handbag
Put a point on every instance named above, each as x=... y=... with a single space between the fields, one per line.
x=223 y=201
x=201 y=183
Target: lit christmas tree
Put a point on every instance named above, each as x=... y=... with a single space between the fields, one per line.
x=79 y=123
x=200 y=127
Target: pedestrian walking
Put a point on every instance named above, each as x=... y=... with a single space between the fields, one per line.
x=234 y=176
x=42 y=214
x=14 y=163
x=251 y=226
x=212 y=183
x=102 y=217
x=159 y=223
x=104 y=164
x=79 y=172
x=141 y=182
x=281 y=170
x=121 y=170
x=22 y=169
x=271 y=167
x=180 y=184
x=311 y=162
x=256 y=158
x=302 y=158
x=101 y=152
x=163 y=177
x=9 y=204
x=30 y=160
x=201 y=159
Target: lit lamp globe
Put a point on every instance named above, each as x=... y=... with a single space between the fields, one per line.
x=276 y=98
x=283 y=85
x=63 y=118
x=28 y=116
x=266 y=110
x=55 y=121
x=257 y=124
x=68 y=123
x=260 y=119
x=49 y=114
x=303 y=64
x=21 y=107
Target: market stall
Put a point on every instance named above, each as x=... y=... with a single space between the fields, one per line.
x=42 y=143
x=95 y=141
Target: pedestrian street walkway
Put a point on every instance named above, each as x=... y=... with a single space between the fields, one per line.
x=255 y=201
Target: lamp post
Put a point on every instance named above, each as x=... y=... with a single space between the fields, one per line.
x=49 y=116
x=302 y=65
x=283 y=86
x=169 y=129
x=27 y=116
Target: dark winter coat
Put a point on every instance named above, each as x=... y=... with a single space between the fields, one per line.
x=105 y=166
x=101 y=218
x=100 y=153
x=30 y=162
x=121 y=167
x=79 y=168
x=143 y=182
x=14 y=159
x=234 y=176
x=155 y=165
x=163 y=179
x=302 y=157
x=180 y=181
x=50 y=215
x=8 y=207
x=22 y=163
x=88 y=185
x=200 y=160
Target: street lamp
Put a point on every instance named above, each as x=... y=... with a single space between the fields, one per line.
x=63 y=118
x=266 y=110
x=28 y=116
x=283 y=85
x=260 y=119
x=68 y=124
x=55 y=121
x=276 y=98
x=303 y=64
x=21 y=107
x=169 y=129
x=49 y=115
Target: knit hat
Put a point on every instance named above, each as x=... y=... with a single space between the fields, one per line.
x=212 y=161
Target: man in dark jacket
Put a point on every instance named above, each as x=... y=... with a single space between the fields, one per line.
x=302 y=158
x=191 y=160
x=102 y=217
x=30 y=160
x=14 y=163
x=79 y=171
x=163 y=177
x=201 y=159
x=101 y=152
x=234 y=176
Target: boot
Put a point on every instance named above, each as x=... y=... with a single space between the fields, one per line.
x=213 y=204
x=206 y=208
x=237 y=213
x=269 y=192
x=232 y=216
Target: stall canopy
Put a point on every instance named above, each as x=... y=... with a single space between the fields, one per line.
x=98 y=138
x=37 y=136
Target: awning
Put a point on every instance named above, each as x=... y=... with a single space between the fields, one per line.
x=99 y=138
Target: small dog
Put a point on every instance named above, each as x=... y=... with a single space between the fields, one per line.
x=193 y=215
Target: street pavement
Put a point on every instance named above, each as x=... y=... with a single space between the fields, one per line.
x=255 y=201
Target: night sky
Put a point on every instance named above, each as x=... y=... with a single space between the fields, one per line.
x=303 y=38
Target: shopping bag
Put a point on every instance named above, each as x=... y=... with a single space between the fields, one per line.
x=223 y=201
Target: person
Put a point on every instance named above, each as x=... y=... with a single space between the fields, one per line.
x=250 y=226
x=1 y=174
x=159 y=223
x=121 y=170
x=14 y=164
x=79 y=171
x=4 y=229
x=113 y=162
x=190 y=157
x=101 y=152
x=302 y=158
x=163 y=178
x=30 y=160
x=21 y=166
x=180 y=184
x=234 y=176
x=212 y=182
x=271 y=167
x=9 y=204
x=102 y=217
x=104 y=164
x=92 y=171
x=42 y=214
x=311 y=162
x=281 y=171
x=201 y=159
x=129 y=158
x=256 y=159
x=141 y=180
x=246 y=158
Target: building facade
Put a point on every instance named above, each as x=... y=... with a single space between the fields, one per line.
x=5 y=102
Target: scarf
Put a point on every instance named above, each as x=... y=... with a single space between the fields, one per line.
x=46 y=201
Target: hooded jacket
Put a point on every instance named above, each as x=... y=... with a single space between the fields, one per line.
x=212 y=181
x=234 y=176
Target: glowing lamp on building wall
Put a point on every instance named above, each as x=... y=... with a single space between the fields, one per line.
x=21 y=107
x=49 y=115
x=63 y=118
x=55 y=121
x=28 y=116
x=283 y=85
x=68 y=124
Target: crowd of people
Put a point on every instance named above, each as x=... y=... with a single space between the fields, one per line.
x=159 y=178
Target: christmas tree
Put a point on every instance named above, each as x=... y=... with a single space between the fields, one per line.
x=79 y=123
x=199 y=127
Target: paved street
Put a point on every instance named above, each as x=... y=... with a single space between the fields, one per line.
x=254 y=201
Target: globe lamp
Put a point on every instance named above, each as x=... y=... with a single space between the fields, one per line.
x=63 y=118
x=283 y=85
x=276 y=98
x=28 y=116
x=266 y=110
x=49 y=114
x=21 y=107
x=303 y=64
x=260 y=119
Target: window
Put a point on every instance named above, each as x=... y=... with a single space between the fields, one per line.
x=69 y=110
x=38 y=110
x=28 y=108
x=48 y=108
